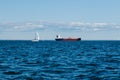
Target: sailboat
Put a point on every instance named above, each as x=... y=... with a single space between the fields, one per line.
x=36 y=39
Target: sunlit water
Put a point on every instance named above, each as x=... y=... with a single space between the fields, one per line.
x=52 y=60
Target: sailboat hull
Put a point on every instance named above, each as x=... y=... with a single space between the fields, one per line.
x=35 y=40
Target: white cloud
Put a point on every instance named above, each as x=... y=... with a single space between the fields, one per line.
x=99 y=24
x=79 y=24
x=96 y=29
x=94 y=26
x=50 y=29
x=28 y=26
x=118 y=26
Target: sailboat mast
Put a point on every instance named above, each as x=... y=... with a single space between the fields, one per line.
x=37 y=36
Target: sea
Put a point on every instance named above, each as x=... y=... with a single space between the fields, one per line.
x=59 y=60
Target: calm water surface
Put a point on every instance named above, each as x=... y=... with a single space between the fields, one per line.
x=52 y=60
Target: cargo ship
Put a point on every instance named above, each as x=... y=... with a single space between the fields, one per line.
x=59 y=38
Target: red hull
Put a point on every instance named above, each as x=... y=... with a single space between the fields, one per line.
x=68 y=39
x=71 y=39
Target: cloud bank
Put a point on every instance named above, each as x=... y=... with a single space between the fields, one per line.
x=32 y=26
x=48 y=30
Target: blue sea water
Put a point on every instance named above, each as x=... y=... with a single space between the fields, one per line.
x=60 y=60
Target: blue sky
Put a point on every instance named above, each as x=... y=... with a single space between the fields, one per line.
x=88 y=19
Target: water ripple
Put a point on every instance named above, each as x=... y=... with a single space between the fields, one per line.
x=52 y=60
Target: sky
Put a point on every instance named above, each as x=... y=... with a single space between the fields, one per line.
x=88 y=19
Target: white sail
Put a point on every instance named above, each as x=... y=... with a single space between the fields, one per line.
x=37 y=36
x=36 y=39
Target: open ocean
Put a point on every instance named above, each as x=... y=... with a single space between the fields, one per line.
x=59 y=60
